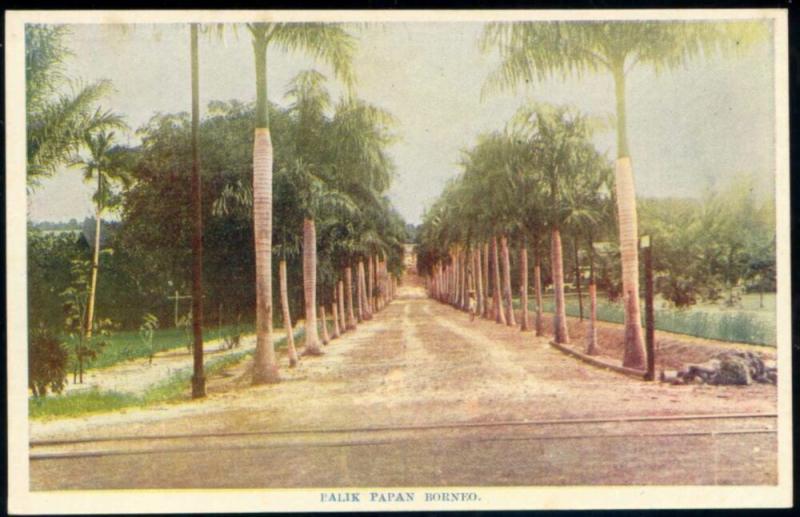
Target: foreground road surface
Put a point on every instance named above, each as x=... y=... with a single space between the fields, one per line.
x=420 y=396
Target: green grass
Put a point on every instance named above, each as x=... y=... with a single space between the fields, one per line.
x=746 y=324
x=172 y=389
x=126 y=345
x=94 y=401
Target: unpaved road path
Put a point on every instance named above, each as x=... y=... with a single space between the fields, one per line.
x=421 y=396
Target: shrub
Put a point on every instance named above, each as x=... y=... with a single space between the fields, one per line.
x=47 y=362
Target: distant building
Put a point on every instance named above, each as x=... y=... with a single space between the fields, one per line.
x=410 y=257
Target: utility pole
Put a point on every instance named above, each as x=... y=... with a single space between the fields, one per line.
x=198 y=377
x=648 y=308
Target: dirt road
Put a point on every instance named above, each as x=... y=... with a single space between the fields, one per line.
x=421 y=396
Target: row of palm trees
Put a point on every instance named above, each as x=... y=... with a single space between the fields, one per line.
x=529 y=51
x=534 y=51
x=519 y=189
x=340 y=173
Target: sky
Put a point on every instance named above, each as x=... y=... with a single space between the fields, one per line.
x=689 y=129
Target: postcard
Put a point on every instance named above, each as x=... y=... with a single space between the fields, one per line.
x=265 y=261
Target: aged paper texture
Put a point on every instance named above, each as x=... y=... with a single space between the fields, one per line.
x=415 y=260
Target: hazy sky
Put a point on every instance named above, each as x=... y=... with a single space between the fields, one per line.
x=688 y=129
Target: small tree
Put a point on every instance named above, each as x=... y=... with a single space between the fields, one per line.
x=146 y=332
x=75 y=299
x=47 y=362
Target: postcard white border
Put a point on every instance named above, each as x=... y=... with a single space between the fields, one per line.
x=23 y=501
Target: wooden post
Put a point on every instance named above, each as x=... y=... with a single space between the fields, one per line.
x=648 y=309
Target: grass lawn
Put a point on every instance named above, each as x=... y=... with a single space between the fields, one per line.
x=172 y=389
x=745 y=323
x=126 y=345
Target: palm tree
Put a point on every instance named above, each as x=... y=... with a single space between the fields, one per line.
x=559 y=140
x=533 y=51
x=362 y=169
x=332 y=44
x=287 y=315
x=311 y=100
x=57 y=122
x=314 y=198
x=105 y=164
x=590 y=214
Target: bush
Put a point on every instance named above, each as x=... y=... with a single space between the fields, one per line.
x=47 y=363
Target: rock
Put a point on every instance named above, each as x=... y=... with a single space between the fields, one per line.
x=733 y=369
x=728 y=368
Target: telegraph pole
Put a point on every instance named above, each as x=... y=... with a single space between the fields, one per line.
x=198 y=378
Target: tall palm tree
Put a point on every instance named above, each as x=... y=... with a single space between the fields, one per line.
x=314 y=198
x=311 y=100
x=105 y=164
x=533 y=51
x=332 y=44
x=559 y=139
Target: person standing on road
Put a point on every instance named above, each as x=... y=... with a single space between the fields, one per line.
x=472 y=305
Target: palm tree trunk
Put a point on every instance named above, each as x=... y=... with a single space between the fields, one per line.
x=591 y=340
x=439 y=281
x=457 y=282
x=634 y=356
x=537 y=279
x=95 y=268
x=479 y=279
x=486 y=279
x=459 y=275
x=310 y=286
x=468 y=271
x=578 y=279
x=348 y=287
x=265 y=367
x=523 y=288
x=507 y=293
x=500 y=316
x=370 y=292
x=359 y=292
x=451 y=282
x=461 y=278
x=198 y=377
x=342 y=314
x=325 y=337
x=287 y=318
x=456 y=278
x=363 y=281
x=335 y=310
x=560 y=316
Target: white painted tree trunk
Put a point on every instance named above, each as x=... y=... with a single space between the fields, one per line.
x=310 y=287
x=348 y=287
x=629 y=249
x=287 y=318
x=560 y=332
x=265 y=367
